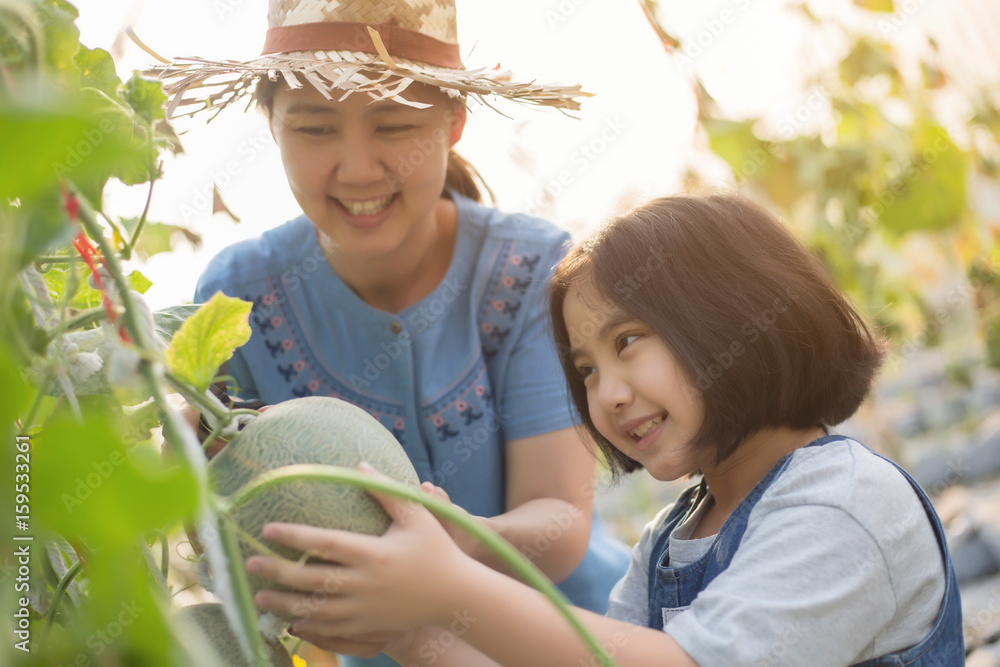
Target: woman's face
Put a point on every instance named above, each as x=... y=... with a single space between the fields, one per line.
x=367 y=174
x=639 y=396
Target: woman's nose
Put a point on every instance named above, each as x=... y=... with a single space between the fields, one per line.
x=359 y=163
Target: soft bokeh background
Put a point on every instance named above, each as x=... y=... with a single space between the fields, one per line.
x=641 y=135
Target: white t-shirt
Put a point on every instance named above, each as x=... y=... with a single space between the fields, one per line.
x=839 y=564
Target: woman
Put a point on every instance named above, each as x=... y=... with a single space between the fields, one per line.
x=396 y=290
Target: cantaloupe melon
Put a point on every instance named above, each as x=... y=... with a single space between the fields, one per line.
x=206 y=632
x=319 y=430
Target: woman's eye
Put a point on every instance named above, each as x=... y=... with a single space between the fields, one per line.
x=584 y=371
x=395 y=129
x=315 y=131
x=625 y=341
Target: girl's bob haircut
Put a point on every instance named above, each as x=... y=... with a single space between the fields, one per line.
x=766 y=337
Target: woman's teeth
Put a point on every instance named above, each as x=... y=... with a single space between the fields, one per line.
x=643 y=429
x=370 y=207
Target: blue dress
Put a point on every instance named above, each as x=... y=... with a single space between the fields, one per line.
x=453 y=377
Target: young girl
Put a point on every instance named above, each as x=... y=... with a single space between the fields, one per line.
x=697 y=338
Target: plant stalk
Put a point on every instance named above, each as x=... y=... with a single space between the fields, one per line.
x=523 y=567
x=64 y=583
x=181 y=438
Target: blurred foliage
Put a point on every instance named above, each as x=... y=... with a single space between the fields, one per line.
x=75 y=338
x=878 y=181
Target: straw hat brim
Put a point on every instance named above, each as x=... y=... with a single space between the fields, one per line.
x=198 y=85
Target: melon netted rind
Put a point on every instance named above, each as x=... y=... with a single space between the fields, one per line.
x=204 y=627
x=321 y=430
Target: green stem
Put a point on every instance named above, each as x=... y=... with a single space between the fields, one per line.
x=147 y=554
x=213 y=436
x=111 y=260
x=36 y=402
x=195 y=397
x=241 y=591
x=523 y=567
x=134 y=238
x=64 y=583
x=164 y=555
x=81 y=319
x=181 y=438
x=58 y=259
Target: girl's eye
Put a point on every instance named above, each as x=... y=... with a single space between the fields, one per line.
x=623 y=342
x=584 y=371
x=395 y=129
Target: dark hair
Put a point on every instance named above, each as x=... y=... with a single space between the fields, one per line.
x=760 y=327
x=460 y=176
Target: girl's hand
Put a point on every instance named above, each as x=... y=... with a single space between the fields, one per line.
x=411 y=576
x=465 y=542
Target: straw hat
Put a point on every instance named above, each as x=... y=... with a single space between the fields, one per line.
x=378 y=47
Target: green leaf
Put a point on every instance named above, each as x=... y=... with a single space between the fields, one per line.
x=157 y=237
x=168 y=320
x=208 y=338
x=929 y=193
x=89 y=486
x=41 y=222
x=139 y=282
x=867 y=58
x=97 y=70
x=146 y=97
x=84 y=296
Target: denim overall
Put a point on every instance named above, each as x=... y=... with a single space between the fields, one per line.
x=672 y=588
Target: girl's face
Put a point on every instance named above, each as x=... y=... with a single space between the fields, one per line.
x=367 y=174
x=638 y=395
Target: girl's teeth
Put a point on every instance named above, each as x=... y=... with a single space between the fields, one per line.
x=370 y=207
x=643 y=429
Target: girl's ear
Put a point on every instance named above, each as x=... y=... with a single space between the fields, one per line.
x=458 y=116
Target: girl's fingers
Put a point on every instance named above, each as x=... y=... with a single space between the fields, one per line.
x=336 y=546
x=321 y=613
x=305 y=577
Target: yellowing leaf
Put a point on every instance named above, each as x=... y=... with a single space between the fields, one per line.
x=208 y=338
x=876 y=5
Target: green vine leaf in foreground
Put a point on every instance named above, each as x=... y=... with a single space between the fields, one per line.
x=208 y=338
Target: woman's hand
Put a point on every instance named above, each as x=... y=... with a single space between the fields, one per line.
x=411 y=576
x=464 y=540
